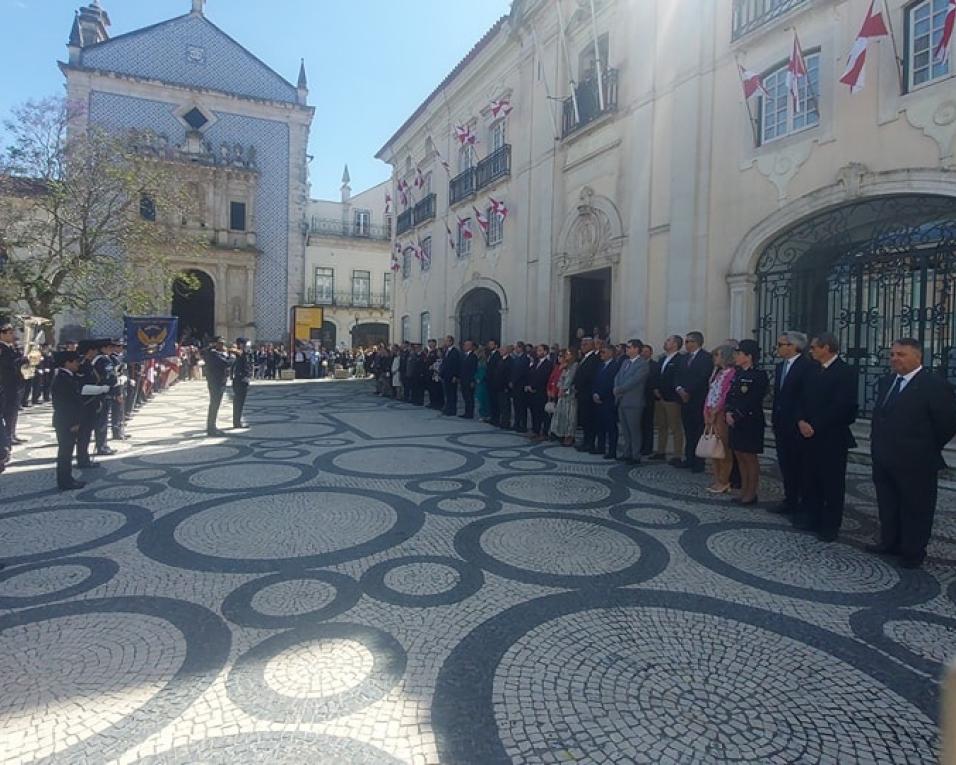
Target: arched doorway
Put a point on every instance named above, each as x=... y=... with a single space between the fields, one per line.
x=368 y=334
x=196 y=308
x=870 y=272
x=479 y=316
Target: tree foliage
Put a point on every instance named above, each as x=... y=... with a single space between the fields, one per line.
x=88 y=222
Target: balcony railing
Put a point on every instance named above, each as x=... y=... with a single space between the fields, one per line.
x=404 y=222
x=354 y=230
x=496 y=165
x=345 y=299
x=753 y=14
x=589 y=104
x=461 y=186
x=424 y=210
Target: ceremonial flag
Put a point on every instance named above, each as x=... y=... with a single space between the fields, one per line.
x=796 y=70
x=873 y=27
x=419 y=178
x=482 y=219
x=402 y=192
x=500 y=107
x=150 y=337
x=464 y=226
x=498 y=208
x=451 y=239
x=396 y=266
x=752 y=82
x=464 y=135
x=942 y=50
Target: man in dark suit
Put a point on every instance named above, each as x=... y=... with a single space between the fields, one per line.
x=647 y=416
x=667 y=407
x=693 y=379
x=828 y=408
x=518 y=376
x=218 y=362
x=584 y=392
x=450 y=375
x=9 y=390
x=491 y=375
x=915 y=417
x=241 y=376
x=469 y=368
x=499 y=387
x=605 y=406
x=788 y=382
x=537 y=390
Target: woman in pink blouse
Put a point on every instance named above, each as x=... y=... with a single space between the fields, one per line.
x=720 y=382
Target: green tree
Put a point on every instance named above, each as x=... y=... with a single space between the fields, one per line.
x=89 y=221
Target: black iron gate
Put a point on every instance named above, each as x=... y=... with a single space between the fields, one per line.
x=870 y=272
x=479 y=318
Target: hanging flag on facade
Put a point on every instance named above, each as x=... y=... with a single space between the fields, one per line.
x=752 y=82
x=464 y=135
x=419 y=178
x=498 y=209
x=796 y=71
x=483 y=222
x=451 y=238
x=501 y=107
x=403 y=192
x=388 y=203
x=945 y=41
x=873 y=27
x=464 y=226
x=396 y=266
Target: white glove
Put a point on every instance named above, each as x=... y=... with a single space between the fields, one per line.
x=94 y=390
x=122 y=380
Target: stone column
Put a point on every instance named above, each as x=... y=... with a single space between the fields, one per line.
x=742 y=305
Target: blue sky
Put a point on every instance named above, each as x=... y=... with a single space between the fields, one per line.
x=370 y=62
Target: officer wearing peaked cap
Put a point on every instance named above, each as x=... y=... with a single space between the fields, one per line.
x=241 y=375
x=104 y=371
x=218 y=362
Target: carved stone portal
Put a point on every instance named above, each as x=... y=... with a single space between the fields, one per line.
x=592 y=238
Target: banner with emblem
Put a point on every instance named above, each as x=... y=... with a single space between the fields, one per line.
x=150 y=337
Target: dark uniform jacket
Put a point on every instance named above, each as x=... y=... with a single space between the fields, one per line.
x=666 y=377
x=217 y=367
x=786 y=399
x=9 y=370
x=67 y=401
x=694 y=376
x=242 y=368
x=584 y=377
x=519 y=372
x=829 y=403
x=469 y=366
x=540 y=373
x=451 y=364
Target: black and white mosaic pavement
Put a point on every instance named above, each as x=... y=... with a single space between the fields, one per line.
x=353 y=580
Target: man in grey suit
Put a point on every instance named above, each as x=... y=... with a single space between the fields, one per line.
x=629 y=393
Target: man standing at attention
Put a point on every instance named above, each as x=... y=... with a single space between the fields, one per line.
x=584 y=390
x=241 y=375
x=217 y=369
x=915 y=418
x=693 y=380
x=667 y=408
x=469 y=367
x=629 y=391
x=788 y=382
x=450 y=374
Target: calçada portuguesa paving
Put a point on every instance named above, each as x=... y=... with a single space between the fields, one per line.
x=354 y=580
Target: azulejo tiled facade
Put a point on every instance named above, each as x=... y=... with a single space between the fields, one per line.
x=200 y=95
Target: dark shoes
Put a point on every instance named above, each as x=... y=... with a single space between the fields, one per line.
x=610 y=456
x=656 y=456
x=882 y=549
x=782 y=509
x=828 y=535
x=105 y=451
x=800 y=521
x=71 y=486
x=911 y=563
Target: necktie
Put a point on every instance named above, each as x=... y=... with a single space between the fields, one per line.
x=786 y=371
x=893 y=394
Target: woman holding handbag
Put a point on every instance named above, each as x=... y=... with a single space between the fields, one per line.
x=715 y=422
x=746 y=418
x=564 y=422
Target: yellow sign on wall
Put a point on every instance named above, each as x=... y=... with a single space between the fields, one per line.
x=304 y=320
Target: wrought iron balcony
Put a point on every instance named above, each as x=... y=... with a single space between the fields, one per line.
x=461 y=186
x=404 y=222
x=589 y=103
x=496 y=165
x=753 y=14
x=354 y=230
x=424 y=210
x=323 y=297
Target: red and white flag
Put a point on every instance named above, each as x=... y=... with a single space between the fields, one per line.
x=398 y=247
x=444 y=164
x=752 y=82
x=942 y=50
x=796 y=70
x=419 y=178
x=501 y=107
x=403 y=192
x=396 y=266
x=464 y=135
x=388 y=203
x=464 y=226
x=873 y=27
x=417 y=250
x=498 y=208
x=451 y=239
x=483 y=222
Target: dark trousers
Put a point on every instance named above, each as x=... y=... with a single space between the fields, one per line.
x=418 y=393
x=906 y=498
x=536 y=402
x=83 y=435
x=65 y=443
x=494 y=407
x=117 y=415
x=239 y=392
x=647 y=430
x=436 y=395
x=215 y=399
x=520 y=399
x=791 y=448
x=607 y=430
x=26 y=391
x=504 y=408
x=450 y=391
x=10 y=412
x=692 y=417
x=587 y=414
x=468 y=397
x=824 y=485
x=406 y=390
x=101 y=425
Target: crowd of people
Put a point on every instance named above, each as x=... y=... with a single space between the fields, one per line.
x=689 y=405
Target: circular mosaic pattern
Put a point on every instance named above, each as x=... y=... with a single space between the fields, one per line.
x=671 y=677
x=286 y=748
x=662 y=480
x=291 y=599
x=441 y=487
x=788 y=562
x=50 y=532
x=492 y=439
x=923 y=640
x=282 y=455
x=503 y=454
x=49 y=581
x=130 y=666
x=110 y=492
x=654 y=516
x=281 y=430
x=241 y=476
x=561 y=550
x=398 y=461
x=203 y=454
x=323 y=654
x=462 y=506
x=549 y=490
x=422 y=580
x=277 y=443
x=307 y=528
x=565 y=455
x=526 y=463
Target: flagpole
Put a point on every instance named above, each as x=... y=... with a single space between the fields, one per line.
x=750 y=114
x=597 y=58
x=567 y=59
x=896 y=53
x=547 y=87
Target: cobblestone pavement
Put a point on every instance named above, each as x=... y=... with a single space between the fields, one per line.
x=360 y=581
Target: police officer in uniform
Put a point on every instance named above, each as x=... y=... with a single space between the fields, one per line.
x=217 y=371
x=87 y=350
x=45 y=371
x=105 y=373
x=118 y=393
x=242 y=369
